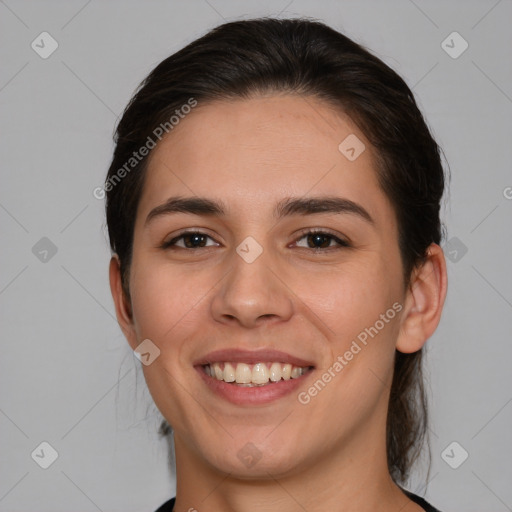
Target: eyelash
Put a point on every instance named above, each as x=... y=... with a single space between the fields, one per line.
x=341 y=243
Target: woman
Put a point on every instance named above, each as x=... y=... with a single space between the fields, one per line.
x=273 y=212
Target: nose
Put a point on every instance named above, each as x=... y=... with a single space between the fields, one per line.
x=252 y=294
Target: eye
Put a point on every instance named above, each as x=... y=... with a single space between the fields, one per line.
x=316 y=239
x=313 y=239
x=188 y=240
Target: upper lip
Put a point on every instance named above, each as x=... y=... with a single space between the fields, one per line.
x=251 y=357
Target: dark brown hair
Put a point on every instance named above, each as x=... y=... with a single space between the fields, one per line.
x=246 y=58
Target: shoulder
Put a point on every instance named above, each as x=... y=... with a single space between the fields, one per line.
x=167 y=506
x=420 y=501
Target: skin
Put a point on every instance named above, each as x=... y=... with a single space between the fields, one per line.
x=329 y=454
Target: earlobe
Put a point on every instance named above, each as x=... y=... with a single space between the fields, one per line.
x=424 y=302
x=121 y=302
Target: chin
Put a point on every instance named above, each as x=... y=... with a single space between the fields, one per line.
x=248 y=460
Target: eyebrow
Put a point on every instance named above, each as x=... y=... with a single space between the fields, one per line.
x=284 y=208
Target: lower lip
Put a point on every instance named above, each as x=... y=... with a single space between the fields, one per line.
x=256 y=395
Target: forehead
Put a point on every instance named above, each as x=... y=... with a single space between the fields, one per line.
x=253 y=152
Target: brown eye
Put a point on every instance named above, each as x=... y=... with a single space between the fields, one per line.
x=189 y=240
x=321 y=240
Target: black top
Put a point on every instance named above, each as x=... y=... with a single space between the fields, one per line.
x=169 y=505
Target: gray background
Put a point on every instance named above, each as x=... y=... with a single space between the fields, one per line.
x=67 y=375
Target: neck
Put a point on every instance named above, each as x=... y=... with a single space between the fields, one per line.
x=352 y=477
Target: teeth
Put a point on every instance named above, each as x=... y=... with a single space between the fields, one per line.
x=219 y=374
x=287 y=371
x=275 y=372
x=258 y=374
x=243 y=373
x=229 y=373
x=296 y=372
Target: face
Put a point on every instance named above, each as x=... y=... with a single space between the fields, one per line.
x=288 y=255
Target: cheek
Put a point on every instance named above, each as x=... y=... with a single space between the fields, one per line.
x=169 y=301
x=168 y=310
x=357 y=304
x=170 y=304
x=350 y=298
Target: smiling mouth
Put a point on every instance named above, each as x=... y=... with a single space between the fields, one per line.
x=253 y=375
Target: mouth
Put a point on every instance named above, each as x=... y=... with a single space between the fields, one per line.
x=252 y=377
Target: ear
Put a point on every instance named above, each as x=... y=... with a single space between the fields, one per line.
x=424 y=302
x=121 y=302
